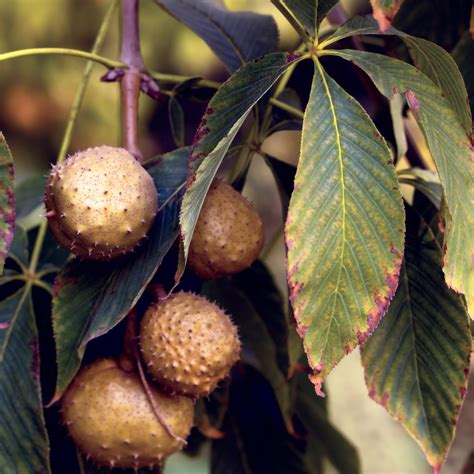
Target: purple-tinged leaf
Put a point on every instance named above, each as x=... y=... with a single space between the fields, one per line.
x=345 y=228
x=417 y=360
x=7 y=201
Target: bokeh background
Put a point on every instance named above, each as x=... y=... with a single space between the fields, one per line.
x=36 y=94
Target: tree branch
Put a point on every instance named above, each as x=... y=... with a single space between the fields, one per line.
x=131 y=55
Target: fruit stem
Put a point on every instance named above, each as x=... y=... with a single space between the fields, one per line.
x=73 y=114
x=130 y=54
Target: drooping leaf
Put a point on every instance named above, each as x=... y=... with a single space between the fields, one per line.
x=429 y=58
x=417 y=360
x=176 y=119
x=236 y=37
x=19 y=247
x=450 y=148
x=331 y=443
x=308 y=13
x=7 y=200
x=425 y=182
x=258 y=348
x=24 y=443
x=463 y=54
x=29 y=196
x=435 y=20
x=90 y=299
x=257 y=284
x=255 y=438
x=224 y=116
x=384 y=12
x=344 y=230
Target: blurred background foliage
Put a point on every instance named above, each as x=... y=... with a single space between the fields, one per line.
x=35 y=98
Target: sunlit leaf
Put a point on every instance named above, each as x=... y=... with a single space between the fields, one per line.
x=344 y=230
x=24 y=443
x=450 y=148
x=236 y=37
x=7 y=201
x=417 y=360
x=91 y=298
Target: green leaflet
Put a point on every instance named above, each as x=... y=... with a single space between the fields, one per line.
x=451 y=151
x=428 y=57
x=417 y=360
x=24 y=445
x=347 y=205
x=307 y=13
x=224 y=116
x=259 y=349
x=7 y=201
x=235 y=37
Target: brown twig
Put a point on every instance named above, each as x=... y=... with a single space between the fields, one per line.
x=130 y=54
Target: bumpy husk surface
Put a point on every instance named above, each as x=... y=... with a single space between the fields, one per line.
x=111 y=420
x=101 y=203
x=228 y=236
x=188 y=343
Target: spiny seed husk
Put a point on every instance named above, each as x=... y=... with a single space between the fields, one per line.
x=188 y=343
x=101 y=203
x=229 y=234
x=110 y=418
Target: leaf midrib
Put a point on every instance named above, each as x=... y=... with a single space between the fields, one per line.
x=343 y=194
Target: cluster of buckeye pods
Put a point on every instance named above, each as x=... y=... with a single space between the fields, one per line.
x=101 y=203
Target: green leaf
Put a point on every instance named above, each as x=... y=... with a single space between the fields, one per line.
x=255 y=440
x=428 y=57
x=7 y=201
x=417 y=360
x=24 y=445
x=236 y=37
x=91 y=298
x=346 y=203
x=307 y=13
x=384 y=12
x=257 y=284
x=29 y=196
x=176 y=119
x=435 y=20
x=463 y=54
x=450 y=148
x=19 y=248
x=321 y=433
x=224 y=116
x=423 y=181
x=258 y=348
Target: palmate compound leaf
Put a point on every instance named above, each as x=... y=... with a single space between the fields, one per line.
x=345 y=227
x=7 y=201
x=417 y=360
x=224 y=116
x=236 y=37
x=450 y=148
x=89 y=299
